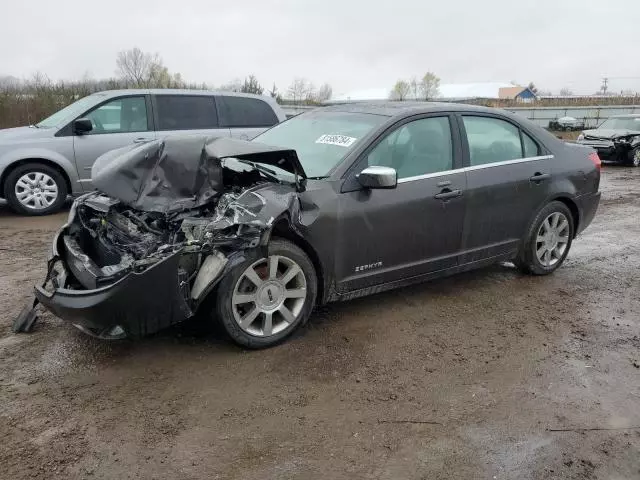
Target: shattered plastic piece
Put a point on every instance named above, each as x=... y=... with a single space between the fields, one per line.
x=26 y=319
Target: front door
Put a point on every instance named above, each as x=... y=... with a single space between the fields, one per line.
x=116 y=123
x=508 y=181
x=415 y=229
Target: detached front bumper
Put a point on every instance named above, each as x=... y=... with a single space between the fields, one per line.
x=136 y=305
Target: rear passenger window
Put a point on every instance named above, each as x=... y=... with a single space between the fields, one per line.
x=245 y=112
x=531 y=148
x=183 y=112
x=492 y=140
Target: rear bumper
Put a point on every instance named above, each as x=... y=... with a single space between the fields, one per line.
x=136 y=305
x=587 y=206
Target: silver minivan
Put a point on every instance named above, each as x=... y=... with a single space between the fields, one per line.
x=41 y=164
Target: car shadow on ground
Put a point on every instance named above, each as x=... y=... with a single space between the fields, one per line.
x=201 y=333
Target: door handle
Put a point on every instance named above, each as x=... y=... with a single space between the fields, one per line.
x=447 y=194
x=539 y=177
x=141 y=140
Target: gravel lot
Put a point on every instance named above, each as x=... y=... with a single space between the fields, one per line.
x=485 y=375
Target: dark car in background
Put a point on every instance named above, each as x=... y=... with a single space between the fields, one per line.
x=333 y=204
x=616 y=140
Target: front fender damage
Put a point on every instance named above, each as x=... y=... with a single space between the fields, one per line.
x=120 y=271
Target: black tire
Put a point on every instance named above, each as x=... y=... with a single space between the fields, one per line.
x=527 y=260
x=224 y=294
x=633 y=160
x=35 y=167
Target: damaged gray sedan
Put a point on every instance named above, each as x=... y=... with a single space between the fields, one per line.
x=333 y=204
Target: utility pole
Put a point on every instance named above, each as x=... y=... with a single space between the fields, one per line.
x=604 y=87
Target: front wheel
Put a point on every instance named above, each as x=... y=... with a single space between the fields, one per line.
x=548 y=240
x=35 y=189
x=262 y=302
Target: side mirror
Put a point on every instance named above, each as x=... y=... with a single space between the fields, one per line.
x=82 y=126
x=378 y=177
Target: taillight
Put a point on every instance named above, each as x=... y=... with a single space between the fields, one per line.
x=593 y=156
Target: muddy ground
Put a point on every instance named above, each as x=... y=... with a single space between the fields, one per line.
x=485 y=375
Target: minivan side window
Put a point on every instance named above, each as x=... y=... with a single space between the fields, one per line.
x=493 y=140
x=122 y=115
x=245 y=112
x=416 y=148
x=186 y=112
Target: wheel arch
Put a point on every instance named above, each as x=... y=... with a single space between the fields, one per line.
x=573 y=208
x=44 y=161
x=282 y=229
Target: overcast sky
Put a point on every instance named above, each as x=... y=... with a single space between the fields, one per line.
x=352 y=44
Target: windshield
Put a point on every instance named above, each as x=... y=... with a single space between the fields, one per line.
x=321 y=139
x=70 y=111
x=621 y=123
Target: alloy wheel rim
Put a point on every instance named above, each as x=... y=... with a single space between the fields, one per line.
x=636 y=158
x=269 y=296
x=552 y=239
x=36 y=190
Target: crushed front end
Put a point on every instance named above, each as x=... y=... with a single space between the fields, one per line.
x=118 y=270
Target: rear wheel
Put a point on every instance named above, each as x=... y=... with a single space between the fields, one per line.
x=262 y=302
x=35 y=189
x=548 y=240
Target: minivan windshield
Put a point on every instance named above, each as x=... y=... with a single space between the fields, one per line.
x=74 y=110
x=621 y=123
x=321 y=138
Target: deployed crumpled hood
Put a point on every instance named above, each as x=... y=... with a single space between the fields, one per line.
x=609 y=134
x=179 y=172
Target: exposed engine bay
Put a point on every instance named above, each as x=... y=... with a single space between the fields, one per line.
x=169 y=217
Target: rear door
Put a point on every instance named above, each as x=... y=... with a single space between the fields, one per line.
x=414 y=229
x=187 y=115
x=508 y=180
x=117 y=122
x=246 y=117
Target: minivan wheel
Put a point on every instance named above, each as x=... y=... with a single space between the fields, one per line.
x=548 y=240
x=35 y=189
x=261 y=302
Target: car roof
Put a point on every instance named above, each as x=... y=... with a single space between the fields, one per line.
x=400 y=109
x=175 y=91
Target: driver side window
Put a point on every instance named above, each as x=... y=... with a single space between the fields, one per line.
x=416 y=148
x=121 y=115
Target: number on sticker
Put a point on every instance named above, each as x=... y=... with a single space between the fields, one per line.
x=339 y=140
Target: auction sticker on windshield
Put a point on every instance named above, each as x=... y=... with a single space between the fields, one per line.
x=340 y=140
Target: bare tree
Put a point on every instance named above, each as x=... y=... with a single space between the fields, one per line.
x=324 y=93
x=430 y=86
x=310 y=93
x=566 y=92
x=274 y=91
x=298 y=89
x=400 y=90
x=533 y=88
x=251 y=85
x=135 y=66
x=415 y=86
